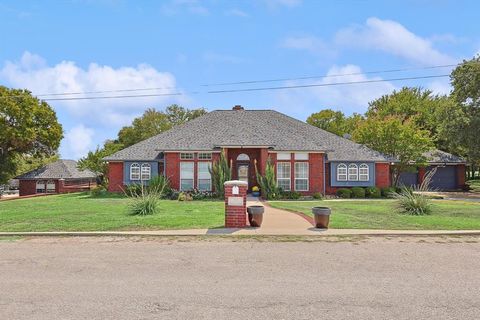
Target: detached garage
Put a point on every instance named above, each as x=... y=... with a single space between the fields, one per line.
x=450 y=174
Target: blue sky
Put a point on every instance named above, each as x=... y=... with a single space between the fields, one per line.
x=180 y=45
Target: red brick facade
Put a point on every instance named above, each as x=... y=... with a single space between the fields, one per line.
x=236 y=216
x=29 y=187
x=461 y=173
x=382 y=175
x=115 y=176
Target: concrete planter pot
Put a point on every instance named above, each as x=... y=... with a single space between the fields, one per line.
x=255 y=215
x=322 y=217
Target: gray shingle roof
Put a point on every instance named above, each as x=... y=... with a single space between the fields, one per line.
x=439 y=156
x=60 y=169
x=270 y=128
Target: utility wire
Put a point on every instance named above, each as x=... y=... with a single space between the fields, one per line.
x=248 y=89
x=252 y=81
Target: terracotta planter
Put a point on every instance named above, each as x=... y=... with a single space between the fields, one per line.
x=322 y=217
x=255 y=215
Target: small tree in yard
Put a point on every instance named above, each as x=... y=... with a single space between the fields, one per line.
x=220 y=172
x=267 y=182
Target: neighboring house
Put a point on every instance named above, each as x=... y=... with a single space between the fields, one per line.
x=450 y=174
x=306 y=159
x=61 y=176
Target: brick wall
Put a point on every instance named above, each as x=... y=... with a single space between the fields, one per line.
x=461 y=176
x=172 y=169
x=236 y=216
x=27 y=187
x=316 y=173
x=382 y=175
x=115 y=176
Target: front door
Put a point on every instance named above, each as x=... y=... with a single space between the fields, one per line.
x=242 y=172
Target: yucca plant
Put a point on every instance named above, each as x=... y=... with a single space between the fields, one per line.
x=412 y=200
x=145 y=202
x=220 y=172
x=267 y=182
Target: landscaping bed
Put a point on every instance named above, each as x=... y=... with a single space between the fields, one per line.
x=82 y=212
x=383 y=214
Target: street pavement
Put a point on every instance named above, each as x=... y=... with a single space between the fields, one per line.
x=234 y=278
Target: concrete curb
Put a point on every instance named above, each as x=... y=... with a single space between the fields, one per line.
x=247 y=232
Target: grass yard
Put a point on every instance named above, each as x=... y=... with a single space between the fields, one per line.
x=382 y=214
x=81 y=212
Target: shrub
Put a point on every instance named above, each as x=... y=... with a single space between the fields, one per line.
x=344 y=193
x=290 y=195
x=267 y=182
x=318 y=196
x=145 y=204
x=201 y=195
x=134 y=190
x=388 y=192
x=173 y=194
x=184 y=196
x=358 y=193
x=373 y=192
x=412 y=203
x=220 y=172
x=98 y=191
x=159 y=185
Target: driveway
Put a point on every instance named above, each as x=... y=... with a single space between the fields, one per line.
x=161 y=278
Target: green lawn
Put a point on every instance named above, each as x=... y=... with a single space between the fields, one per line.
x=382 y=214
x=80 y=212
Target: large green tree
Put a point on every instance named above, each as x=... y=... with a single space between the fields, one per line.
x=401 y=140
x=93 y=161
x=153 y=122
x=461 y=128
x=334 y=121
x=29 y=129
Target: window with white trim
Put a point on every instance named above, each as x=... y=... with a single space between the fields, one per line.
x=186 y=176
x=283 y=156
x=363 y=172
x=186 y=156
x=134 y=171
x=50 y=186
x=40 y=186
x=204 y=156
x=301 y=176
x=301 y=156
x=283 y=175
x=342 y=172
x=352 y=172
x=146 y=172
x=204 y=182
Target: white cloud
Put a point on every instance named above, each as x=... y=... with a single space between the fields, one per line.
x=441 y=87
x=33 y=73
x=392 y=37
x=78 y=141
x=347 y=98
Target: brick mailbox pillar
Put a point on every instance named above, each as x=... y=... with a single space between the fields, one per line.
x=235 y=204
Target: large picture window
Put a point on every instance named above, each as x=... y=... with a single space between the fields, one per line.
x=363 y=172
x=146 y=172
x=50 y=186
x=283 y=175
x=134 y=171
x=301 y=176
x=342 y=172
x=186 y=176
x=352 y=172
x=204 y=178
x=40 y=187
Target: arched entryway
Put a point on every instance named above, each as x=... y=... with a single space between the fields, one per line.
x=243 y=167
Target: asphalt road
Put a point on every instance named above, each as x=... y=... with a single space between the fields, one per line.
x=133 y=278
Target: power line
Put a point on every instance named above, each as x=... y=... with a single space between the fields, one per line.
x=251 y=81
x=250 y=89
x=330 y=75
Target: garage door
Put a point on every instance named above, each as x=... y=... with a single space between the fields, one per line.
x=408 y=179
x=445 y=178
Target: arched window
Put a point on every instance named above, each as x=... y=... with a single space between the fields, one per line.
x=243 y=157
x=40 y=186
x=134 y=171
x=50 y=186
x=342 y=172
x=146 y=172
x=352 y=172
x=363 y=172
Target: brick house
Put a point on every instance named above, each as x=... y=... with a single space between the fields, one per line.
x=306 y=159
x=61 y=176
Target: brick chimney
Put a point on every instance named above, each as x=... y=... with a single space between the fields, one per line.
x=238 y=107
